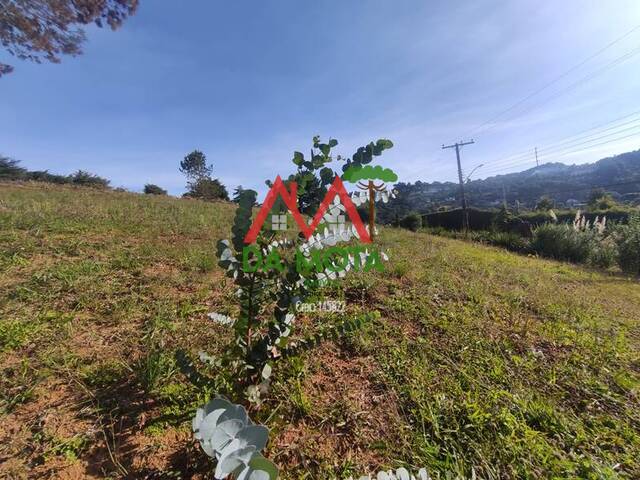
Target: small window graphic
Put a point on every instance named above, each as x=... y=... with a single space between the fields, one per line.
x=278 y=222
x=336 y=223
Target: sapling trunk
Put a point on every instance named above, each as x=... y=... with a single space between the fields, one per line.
x=372 y=209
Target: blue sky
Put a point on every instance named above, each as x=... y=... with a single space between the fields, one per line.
x=250 y=82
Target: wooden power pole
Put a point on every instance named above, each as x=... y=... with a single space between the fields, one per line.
x=465 y=213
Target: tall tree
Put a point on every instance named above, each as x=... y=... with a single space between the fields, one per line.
x=199 y=181
x=39 y=30
x=194 y=166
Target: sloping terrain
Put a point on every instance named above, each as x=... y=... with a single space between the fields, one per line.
x=481 y=361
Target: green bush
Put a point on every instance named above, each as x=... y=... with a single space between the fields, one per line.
x=627 y=238
x=10 y=169
x=87 y=179
x=207 y=189
x=563 y=242
x=45 y=176
x=412 y=222
x=151 y=189
x=604 y=253
x=509 y=240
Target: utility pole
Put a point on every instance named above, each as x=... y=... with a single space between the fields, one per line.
x=537 y=163
x=465 y=214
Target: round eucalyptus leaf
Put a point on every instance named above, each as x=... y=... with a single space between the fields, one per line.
x=260 y=464
x=224 y=433
x=298 y=158
x=402 y=474
x=208 y=449
x=204 y=423
x=236 y=412
x=254 y=435
x=233 y=461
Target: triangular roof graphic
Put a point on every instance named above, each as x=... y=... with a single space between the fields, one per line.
x=291 y=201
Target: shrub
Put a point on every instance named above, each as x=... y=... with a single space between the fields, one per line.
x=563 y=242
x=45 y=176
x=151 y=189
x=10 y=169
x=413 y=222
x=509 y=240
x=604 y=253
x=87 y=179
x=627 y=238
x=208 y=189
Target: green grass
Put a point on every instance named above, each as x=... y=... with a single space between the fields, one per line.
x=481 y=360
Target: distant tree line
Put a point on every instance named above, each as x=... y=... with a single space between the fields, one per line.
x=10 y=169
x=194 y=166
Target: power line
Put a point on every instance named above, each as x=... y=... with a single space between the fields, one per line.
x=518 y=157
x=599 y=144
x=571 y=151
x=573 y=144
x=579 y=138
x=573 y=86
x=526 y=156
x=559 y=148
x=555 y=80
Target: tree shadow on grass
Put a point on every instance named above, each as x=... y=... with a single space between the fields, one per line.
x=124 y=414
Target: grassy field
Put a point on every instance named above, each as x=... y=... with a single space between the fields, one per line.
x=481 y=361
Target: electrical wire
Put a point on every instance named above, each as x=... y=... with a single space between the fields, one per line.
x=576 y=137
x=554 y=81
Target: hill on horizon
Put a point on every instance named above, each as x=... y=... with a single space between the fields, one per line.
x=566 y=184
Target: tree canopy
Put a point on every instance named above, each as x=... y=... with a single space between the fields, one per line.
x=194 y=166
x=44 y=30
